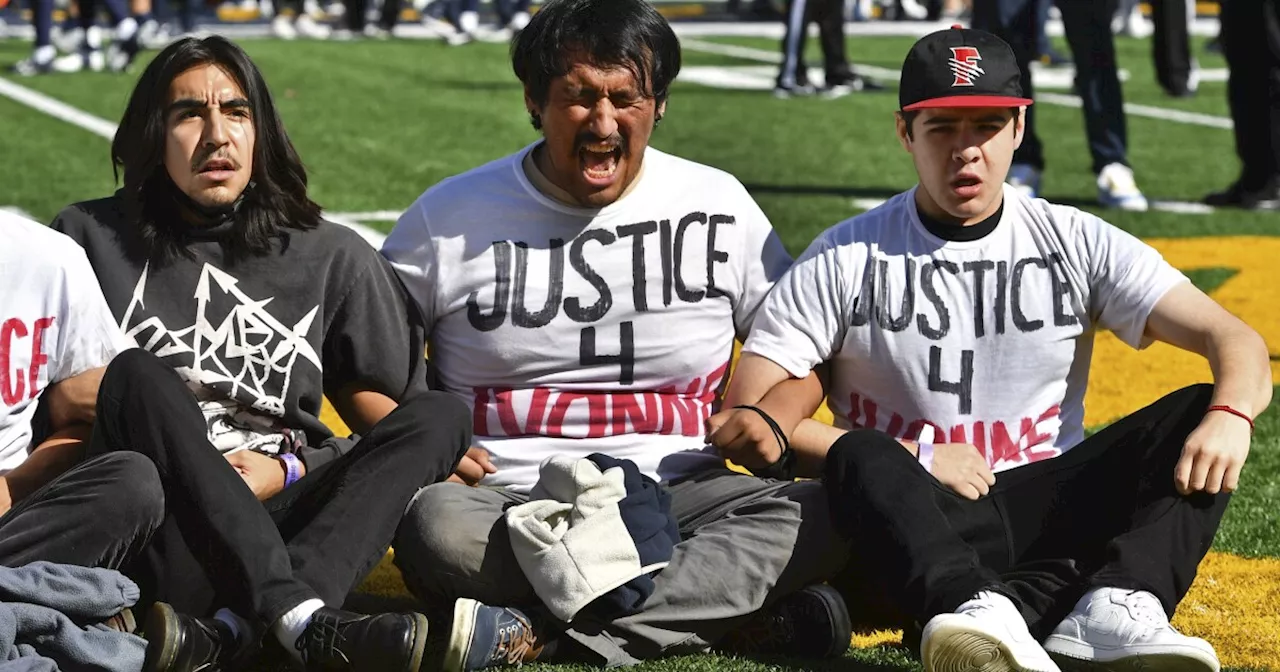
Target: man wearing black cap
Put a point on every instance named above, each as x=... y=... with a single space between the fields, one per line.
x=957 y=322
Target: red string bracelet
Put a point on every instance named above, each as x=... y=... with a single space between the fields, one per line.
x=1238 y=414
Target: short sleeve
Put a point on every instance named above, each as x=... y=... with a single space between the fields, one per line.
x=89 y=337
x=1127 y=278
x=764 y=261
x=411 y=252
x=802 y=322
x=376 y=335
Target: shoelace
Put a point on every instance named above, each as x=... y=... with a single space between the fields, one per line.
x=214 y=664
x=1147 y=610
x=325 y=637
x=514 y=644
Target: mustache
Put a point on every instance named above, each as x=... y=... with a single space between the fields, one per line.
x=616 y=141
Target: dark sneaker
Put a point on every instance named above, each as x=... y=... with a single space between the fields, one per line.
x=340 y=640
x=180 y=643
x=485 y=636
x=1237 y=196
x=812 y=623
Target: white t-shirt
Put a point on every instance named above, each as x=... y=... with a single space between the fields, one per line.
x=984 y=342
x=572 y=331
x=54 y=324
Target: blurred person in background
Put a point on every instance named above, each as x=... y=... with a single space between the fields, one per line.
x=1251 y=44
x=356 y=19
x=43 y=52
x=1176 y=71
x=84 y=43
x=297 y=23
x=1088 y=30
x=793 y=76
x=1046 y=53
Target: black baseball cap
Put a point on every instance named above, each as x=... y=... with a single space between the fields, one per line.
x=960 y=67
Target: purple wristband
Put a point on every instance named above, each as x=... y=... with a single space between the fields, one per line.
x=293 y=468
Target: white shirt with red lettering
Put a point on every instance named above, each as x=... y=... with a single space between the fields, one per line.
x=986 y=342
x=54 y=324
x=572 y=331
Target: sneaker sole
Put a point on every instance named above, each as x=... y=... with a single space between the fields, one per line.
x=1077 y=656
x=464 y=625
x=162 y=649
x=953 y=646
x=842 y=625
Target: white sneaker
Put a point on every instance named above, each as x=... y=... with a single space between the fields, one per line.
x=1115 y=629
x=518 y=22
x=1116 y=189
x=283 y=28
x=459 y=38
x=438 y=28
x=93 y=60
x=494 y=34
x=309 y=27
x=1025 y=178
x=468 y=22
x=986 y=633
x=67 y=41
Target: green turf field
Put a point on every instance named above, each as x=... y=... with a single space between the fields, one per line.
x=379 y=122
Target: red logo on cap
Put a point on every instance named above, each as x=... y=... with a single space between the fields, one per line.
x=964 y=65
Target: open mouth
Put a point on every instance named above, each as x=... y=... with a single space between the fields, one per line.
x=966 y=185
x=600 y=160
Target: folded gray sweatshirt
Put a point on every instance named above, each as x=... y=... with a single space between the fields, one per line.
x=50 y=619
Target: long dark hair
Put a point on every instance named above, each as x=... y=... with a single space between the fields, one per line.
x=275 y=200
x=624 y=33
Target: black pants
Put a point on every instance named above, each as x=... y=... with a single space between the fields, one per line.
x=1171 y=44
x=318 y=538
x=100 y=513
x=1087 y=24
x=829 y=15
x=1104 y=513
x=1251 y=44
x=358 y=9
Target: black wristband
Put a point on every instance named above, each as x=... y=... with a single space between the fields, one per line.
x=785 y=467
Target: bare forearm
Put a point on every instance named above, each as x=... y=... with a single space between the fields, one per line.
x=792 y=401
x=362 y=409
x=74 y=401
x=49 y=460
x=1241 y=370
x=811 y=441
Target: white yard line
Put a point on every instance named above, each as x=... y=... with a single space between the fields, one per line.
x=103 y=128
x=57 y=109
x=1149 y=111
x=1065 y=100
